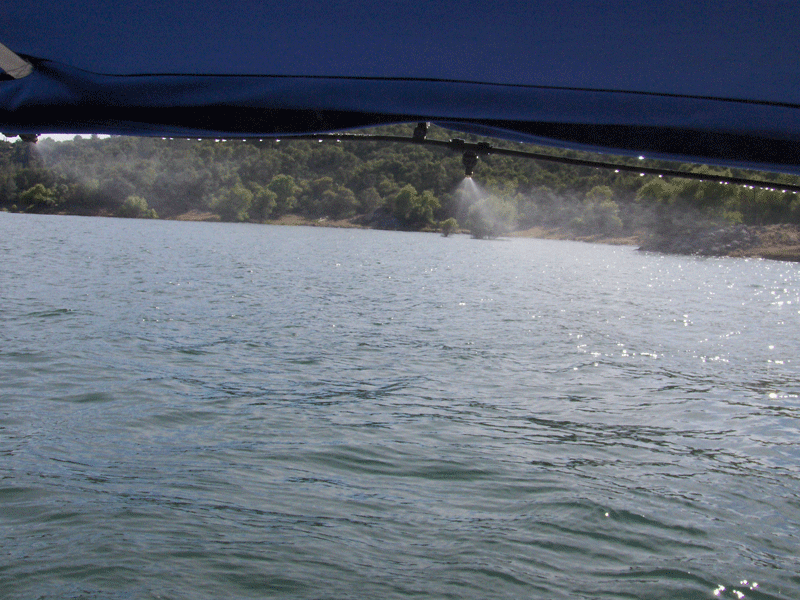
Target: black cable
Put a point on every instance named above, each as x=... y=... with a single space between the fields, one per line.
x=483 y=148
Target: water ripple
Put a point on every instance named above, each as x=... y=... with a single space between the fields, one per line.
x=196 y=410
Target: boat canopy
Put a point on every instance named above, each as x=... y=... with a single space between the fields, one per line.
x=715 y=82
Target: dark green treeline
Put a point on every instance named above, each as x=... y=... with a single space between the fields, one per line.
x=399 y=186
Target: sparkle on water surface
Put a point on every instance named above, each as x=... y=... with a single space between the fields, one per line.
x=196 y=410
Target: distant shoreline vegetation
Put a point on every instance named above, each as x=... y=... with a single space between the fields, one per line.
x=381 y=185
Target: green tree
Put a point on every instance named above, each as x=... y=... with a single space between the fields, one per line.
x=264 y=202
x=135 y=207
x=770 y=206
x=233 y=204
x=38 y=198
x=657 y=189
x=403 y=202
x=414 y=209
x=600 y=193
x=312 y=200
x=600 y=214
x=368 y=200
x=340 y=202
x=423 y=209
x=448 y=226
x=286 y=191
x=491 y=217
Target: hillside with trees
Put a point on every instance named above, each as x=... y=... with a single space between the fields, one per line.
x=378 y=184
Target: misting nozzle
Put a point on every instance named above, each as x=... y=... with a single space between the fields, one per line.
x=469 y=160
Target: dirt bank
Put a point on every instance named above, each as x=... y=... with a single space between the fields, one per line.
x=775 y=242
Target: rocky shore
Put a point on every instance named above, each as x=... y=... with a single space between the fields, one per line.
x=777 y=242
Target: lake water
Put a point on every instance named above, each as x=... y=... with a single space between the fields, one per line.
x=206 y=410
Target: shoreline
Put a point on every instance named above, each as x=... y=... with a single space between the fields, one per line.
x=771 y=242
